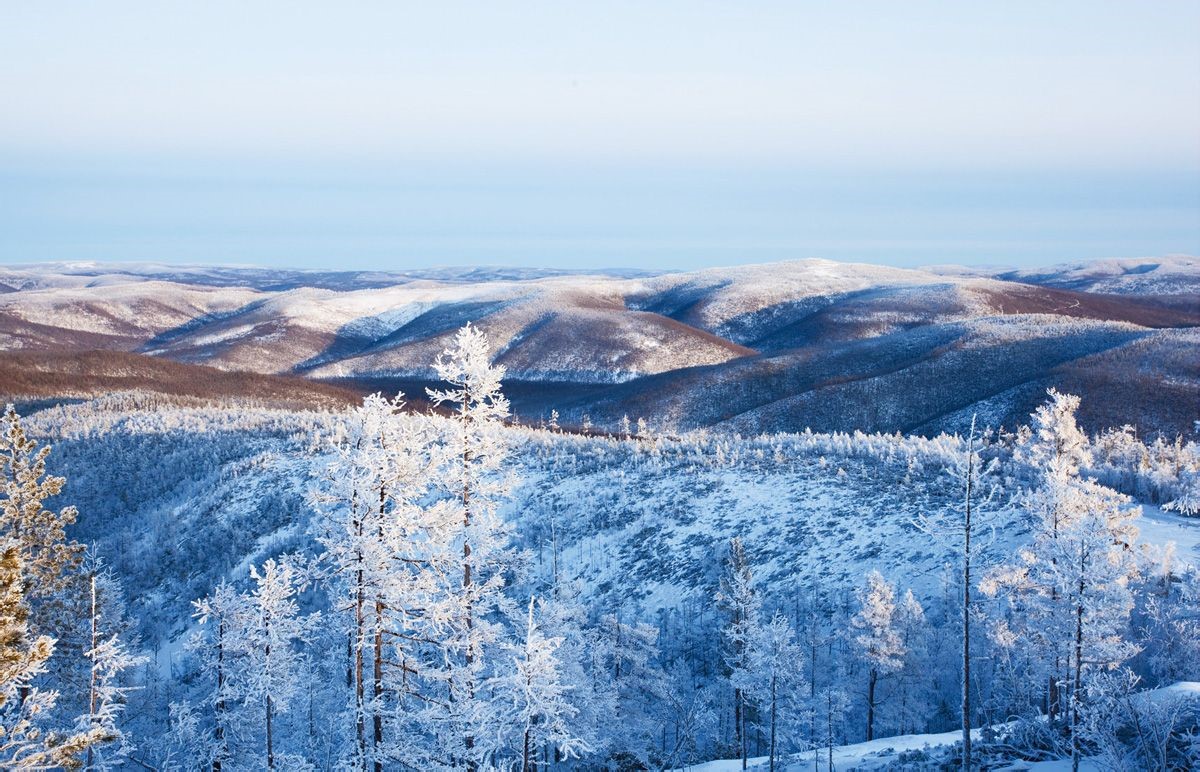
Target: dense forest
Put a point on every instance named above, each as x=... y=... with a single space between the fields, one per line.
x=381 y=588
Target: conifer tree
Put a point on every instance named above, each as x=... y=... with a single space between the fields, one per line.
x=220 y=654
x=24 y=742
x=1070 y=587
x=386 y=553
x=49 y=558
x=535 y=702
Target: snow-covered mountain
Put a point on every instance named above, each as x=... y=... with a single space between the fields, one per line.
x=781 y=346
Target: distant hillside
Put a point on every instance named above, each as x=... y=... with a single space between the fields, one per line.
x=776 y=347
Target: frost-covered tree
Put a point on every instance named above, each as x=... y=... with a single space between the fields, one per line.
x=272 y=631
x=628 y=684
x=975 y=478
x=220 y=653
x=536 y=713
x=110 y=661
x=737 y=599
x=471 y=456
x=25 y=743
x=49 y=557
x=911 y=700
x=1069 y=589
x=773 y=678
x=878 y=642
x=386 y=554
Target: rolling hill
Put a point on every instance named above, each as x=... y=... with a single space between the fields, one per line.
x=776 y=347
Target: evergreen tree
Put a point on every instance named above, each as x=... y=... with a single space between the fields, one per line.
x=24 y=742
x=49 y=558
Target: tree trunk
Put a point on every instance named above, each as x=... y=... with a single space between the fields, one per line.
x=773 y=706
x=966 y=609
x=92 y=682
x=469 y=686
x=1076 y=693
x=360 y=728
x=270 y=730
x=219 y=734
x=871 y=704
x=378 y=692
x=742 y=729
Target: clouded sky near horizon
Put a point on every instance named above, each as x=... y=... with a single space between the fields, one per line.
x=662 y=134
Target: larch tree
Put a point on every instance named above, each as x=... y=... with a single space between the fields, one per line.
x=774 y=674
x=272 y=631
x=385 y=554
x=220 y=653
x=472 y=454
x=535 y=701
x=109 y=660
x=878 y=642
x=913 y=676
x=1071 y=585
x=737 y=598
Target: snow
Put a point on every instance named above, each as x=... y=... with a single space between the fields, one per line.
x=875 y=754
x=880 y=753
x=1161 y=528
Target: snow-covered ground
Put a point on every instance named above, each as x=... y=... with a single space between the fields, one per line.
x=886 y=751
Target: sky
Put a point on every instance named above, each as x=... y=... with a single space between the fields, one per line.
x=657 y=134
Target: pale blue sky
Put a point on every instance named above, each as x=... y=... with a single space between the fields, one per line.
x=652 y=133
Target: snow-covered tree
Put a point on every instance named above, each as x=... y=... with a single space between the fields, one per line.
x=536 y=712
x=25 y=743
x=1069 y=589
x=911 y=700
x=975 y=477
x=471 y=455
x=110 y=663
x=273 y=629
x=48 y=556
x=220 y=652
x=737 y=599
x=773 y=678
x=878 y=642
x=386 y=552
x=627 y=684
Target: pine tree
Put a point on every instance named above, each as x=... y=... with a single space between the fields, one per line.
x=49 y=558
x=24 y=742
